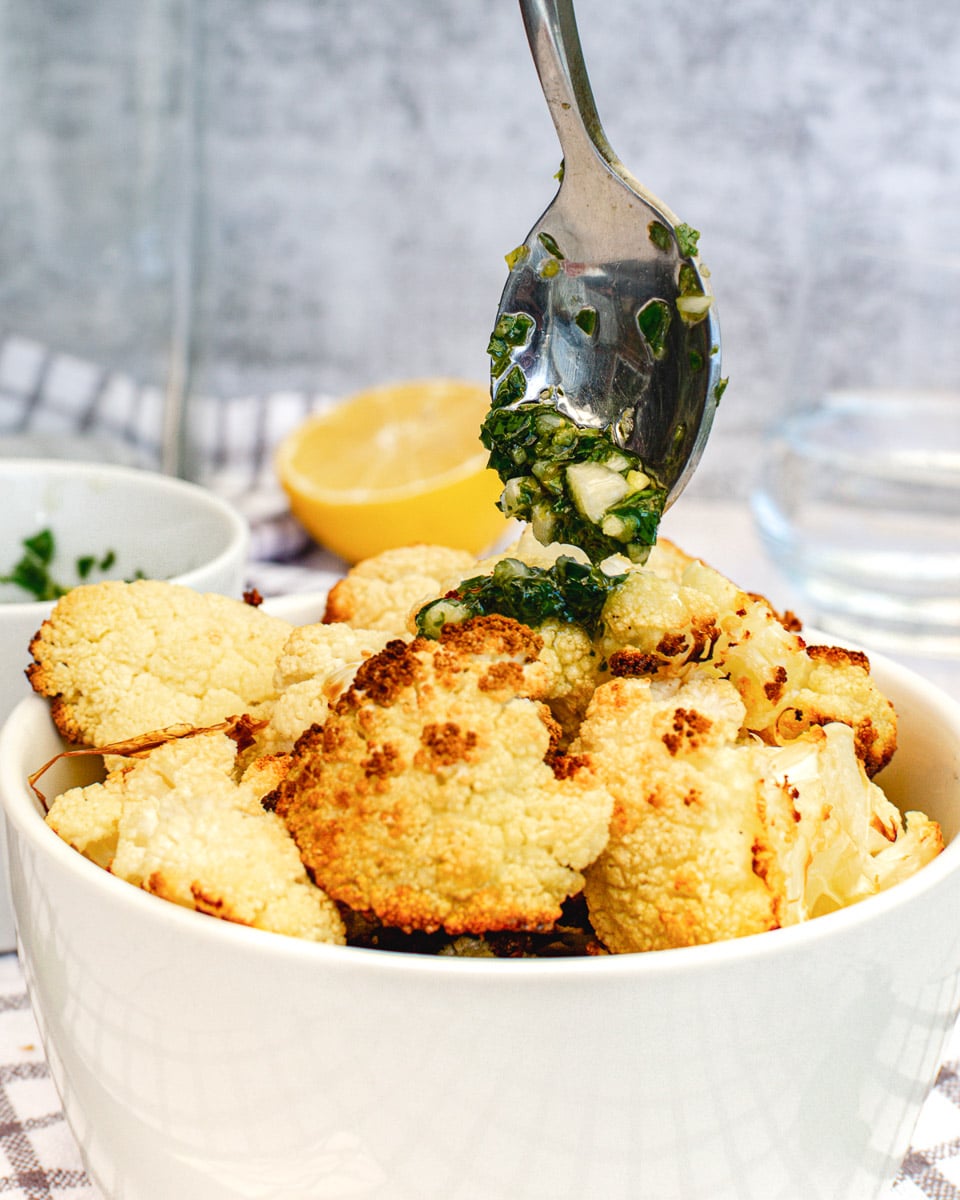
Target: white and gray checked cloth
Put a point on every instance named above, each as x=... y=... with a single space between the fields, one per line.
x=57 y=397
x=65 y=406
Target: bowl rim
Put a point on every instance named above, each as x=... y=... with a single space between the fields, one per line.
x=24 y=821
x=233 y=524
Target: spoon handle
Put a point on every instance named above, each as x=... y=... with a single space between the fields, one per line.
x=551 y=28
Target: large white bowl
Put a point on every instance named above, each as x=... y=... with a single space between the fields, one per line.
x=205 y=1061
x=159 y=526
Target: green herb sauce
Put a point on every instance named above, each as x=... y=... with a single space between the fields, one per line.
x=532 y=448
x=659 y=234
x=586 y=319
x=569 y=591
x=549 y=244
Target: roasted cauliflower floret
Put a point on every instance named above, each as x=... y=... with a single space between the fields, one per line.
x=434 y=795
x=662 y=624
x=87 y=818
x=316 y=665
x=714 y=836
x=177 y=824
x=118 y=659
x=380 y=592
x=689 y=818
x=524 y=755
x=560 y=598
x=786 y=685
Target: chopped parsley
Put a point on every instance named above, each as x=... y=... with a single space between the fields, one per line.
x=654 y=323
x=549 y=244
x=688 y=282
x=32 y=572
x=511 y=388
x=569 y=591
x=586 y=319
x=687 y=239
x=510 y=332
x=659 y=234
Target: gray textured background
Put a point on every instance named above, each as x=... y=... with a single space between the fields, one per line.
x=335 y=184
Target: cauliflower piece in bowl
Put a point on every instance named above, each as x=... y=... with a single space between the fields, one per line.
x=787 y=685
x=118 y=659
x=317 y=663
x=435 y=796
x=178 y=824
x=685 y=618
x=716 y=835
x=379 y=592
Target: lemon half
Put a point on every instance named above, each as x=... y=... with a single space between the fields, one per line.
x=392 y=466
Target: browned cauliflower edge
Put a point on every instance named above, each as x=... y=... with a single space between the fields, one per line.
x=118 y=659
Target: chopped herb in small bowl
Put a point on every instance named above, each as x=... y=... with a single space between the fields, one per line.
x=33 y=572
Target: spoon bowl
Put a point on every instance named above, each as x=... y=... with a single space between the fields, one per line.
x=608 y=313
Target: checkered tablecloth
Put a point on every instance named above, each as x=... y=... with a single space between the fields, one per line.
x=65 y=407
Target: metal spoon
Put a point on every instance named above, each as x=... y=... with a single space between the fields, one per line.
x=624 y=335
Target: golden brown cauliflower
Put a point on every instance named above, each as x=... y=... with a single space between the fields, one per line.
x=380 y=592
x=685 y=618
x=690 y=818
x=716 y=837
x=177 y=824
x=663 y=624
x=87 y=818
x=316 y=665
x=118 y=659
x=434 y=796
x=788 y=686
x=574 y=662
x=852 y=841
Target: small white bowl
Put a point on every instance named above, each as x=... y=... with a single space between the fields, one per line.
x=208 y=1061
x=159 y=526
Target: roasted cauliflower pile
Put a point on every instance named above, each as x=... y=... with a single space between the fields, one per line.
x=525 y=755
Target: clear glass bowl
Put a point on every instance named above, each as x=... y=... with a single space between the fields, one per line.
x=858 y=502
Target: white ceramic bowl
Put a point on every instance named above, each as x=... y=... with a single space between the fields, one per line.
x=162 y=527
x=207 y=1061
